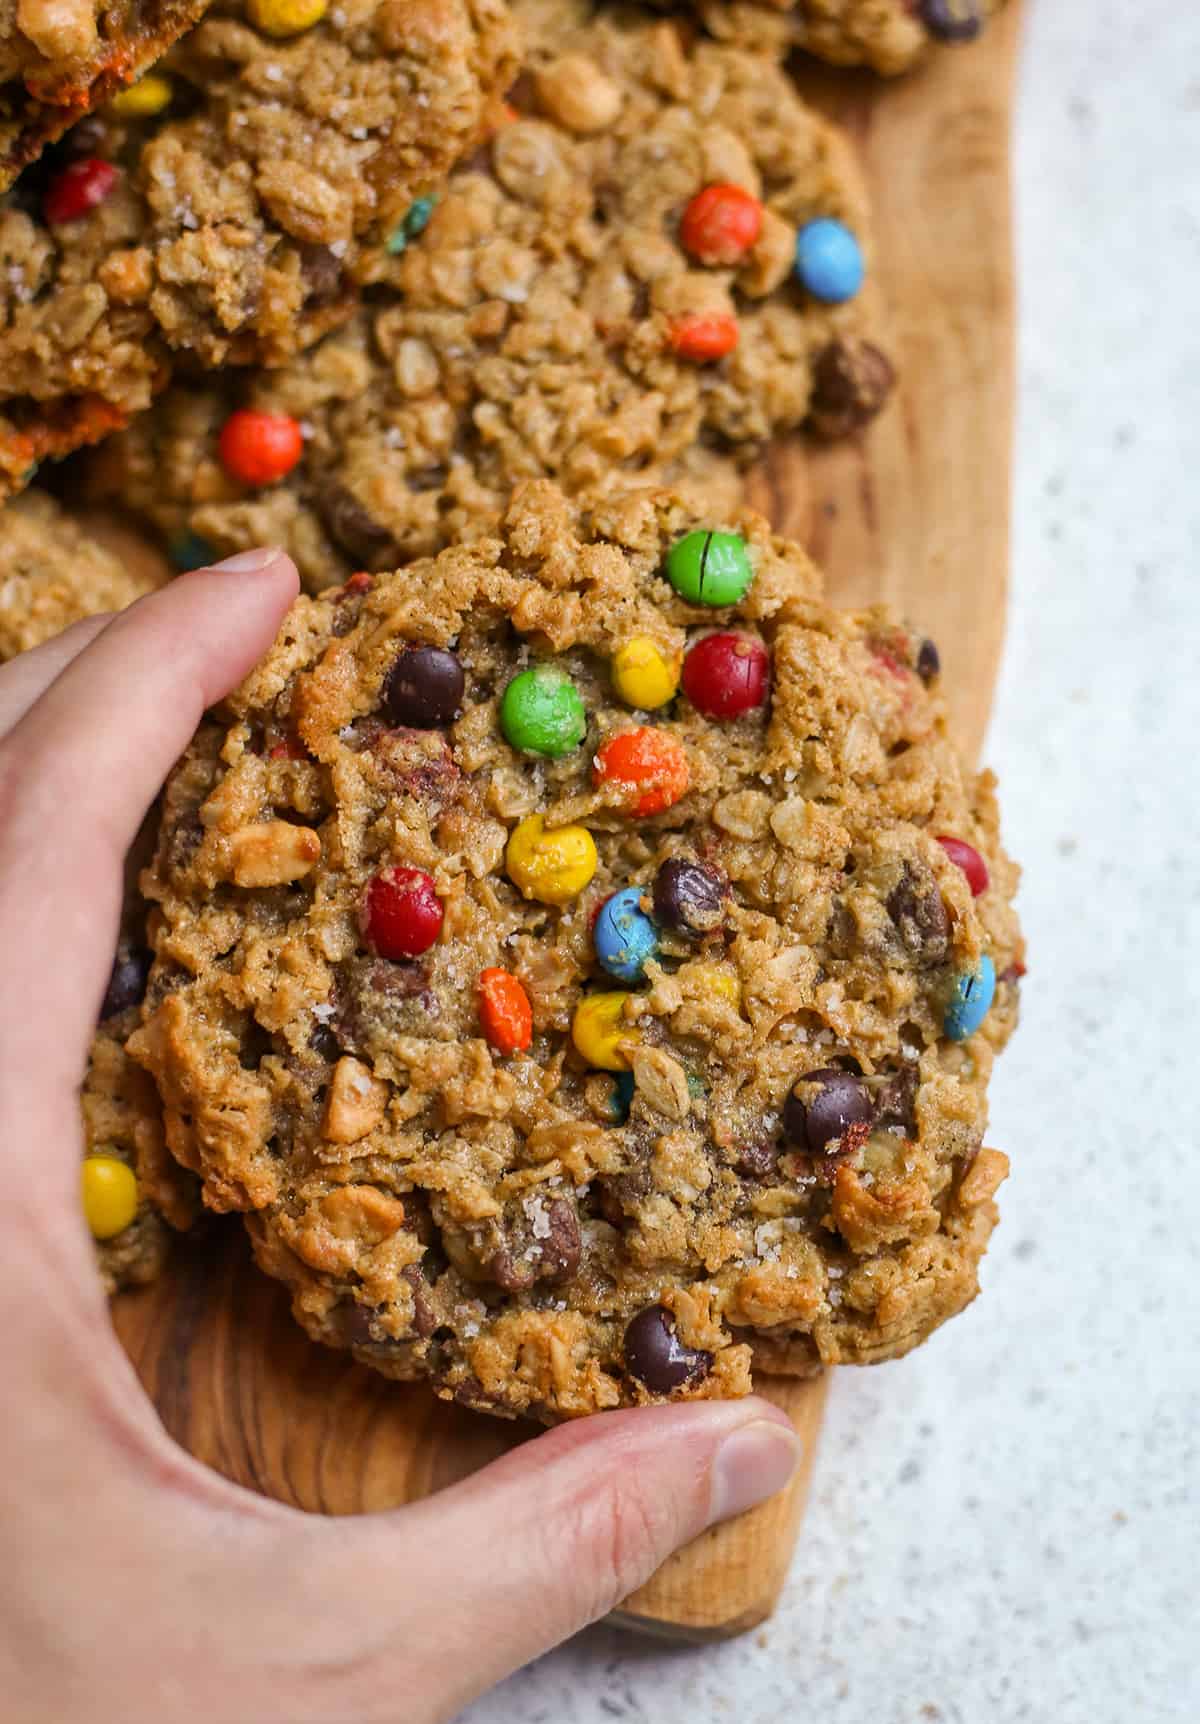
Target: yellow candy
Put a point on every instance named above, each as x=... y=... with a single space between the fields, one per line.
x=597 y=1028
x=719 y=979
x=642 y=676
x=150 y=95
x=110 y=1195
x=286 y=17
x=552 y=867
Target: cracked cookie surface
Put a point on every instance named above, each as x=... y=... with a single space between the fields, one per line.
x=238 y=223
x=532 y=328
x=562 y=959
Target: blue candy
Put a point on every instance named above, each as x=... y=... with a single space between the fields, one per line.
x=190 y=551
x=622 y=1095
x=974 y=991
x=624 y=935
x=829 y=260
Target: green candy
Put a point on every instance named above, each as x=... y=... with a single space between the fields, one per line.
x=710 y=568
x=542 y=713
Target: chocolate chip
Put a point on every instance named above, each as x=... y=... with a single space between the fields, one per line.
x=657 y=1357
x=842 y=1100
x=324 y=1042
x=424 y=1319
x=424 y=688
x=322 y=271
x=952 y=20
x=895 y=1103
x=352 y=525
x=915 y=906
x=690 y=897
x=127 y=983
x=851 y=381
x=929 y=662
x=355 y=1324
x=756 y=1160
x=546 y=1246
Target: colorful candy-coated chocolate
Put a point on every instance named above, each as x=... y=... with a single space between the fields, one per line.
x=643 y=676
x=149 y=96
x=726 y=675
x=623 y=1088
x=259 y=448
x=550 y=867
x=829 y=260
x=281 y=18
x=598 y=1029
x=720 y=224
x=542 y=712
x=416 y=220
x=970 y=1002
x=504 y=1011
x=704 y=337
x=647 y=768
x=80 y=188
x=624 y=936
x=966 y=857
x=710 y=568
x=189 y=551
x=402 y=914
x=110 y=1195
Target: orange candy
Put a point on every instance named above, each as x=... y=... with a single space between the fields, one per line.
x=505 y=1012
x=259 y=448
x=704 y=336
x=649 y=769
x=721 y=224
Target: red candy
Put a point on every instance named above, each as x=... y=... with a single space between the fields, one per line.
x=78 y=189
x=648 y=768
x=258 y=448
x=402 y=915
x=726 y=675
x=721 y=224
x=966 y=857
x=704 y=336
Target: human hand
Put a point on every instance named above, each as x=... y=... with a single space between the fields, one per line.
x=137 y=1585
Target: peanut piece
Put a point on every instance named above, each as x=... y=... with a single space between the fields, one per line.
x=272 y=853
x=575 y=92
x=355 y=1102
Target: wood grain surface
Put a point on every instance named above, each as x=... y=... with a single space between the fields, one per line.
x=915 y=512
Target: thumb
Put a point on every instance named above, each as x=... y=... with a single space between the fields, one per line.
x=550 y=1538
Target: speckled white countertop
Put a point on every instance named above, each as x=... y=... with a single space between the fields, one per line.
x=1006 y=1526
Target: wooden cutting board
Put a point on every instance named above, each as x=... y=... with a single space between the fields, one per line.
x=916 y=512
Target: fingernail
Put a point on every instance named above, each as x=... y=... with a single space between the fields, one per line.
x=752 y=1464
x=248 y=562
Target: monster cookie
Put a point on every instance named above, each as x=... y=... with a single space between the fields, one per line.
x=581 y=956
x=888 y=35
x=231 y=207
x=61 y=58
x=656 y=261
x=134 y=1194
x=52 y=574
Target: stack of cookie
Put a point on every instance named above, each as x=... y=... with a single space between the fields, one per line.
x=577 y=951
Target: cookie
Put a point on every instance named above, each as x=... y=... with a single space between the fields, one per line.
x=52 y=574
x=890 y=36
x=135 y=1196
x=581 y=957
x=59 y=59
x=551 y=319
x=237 y=222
